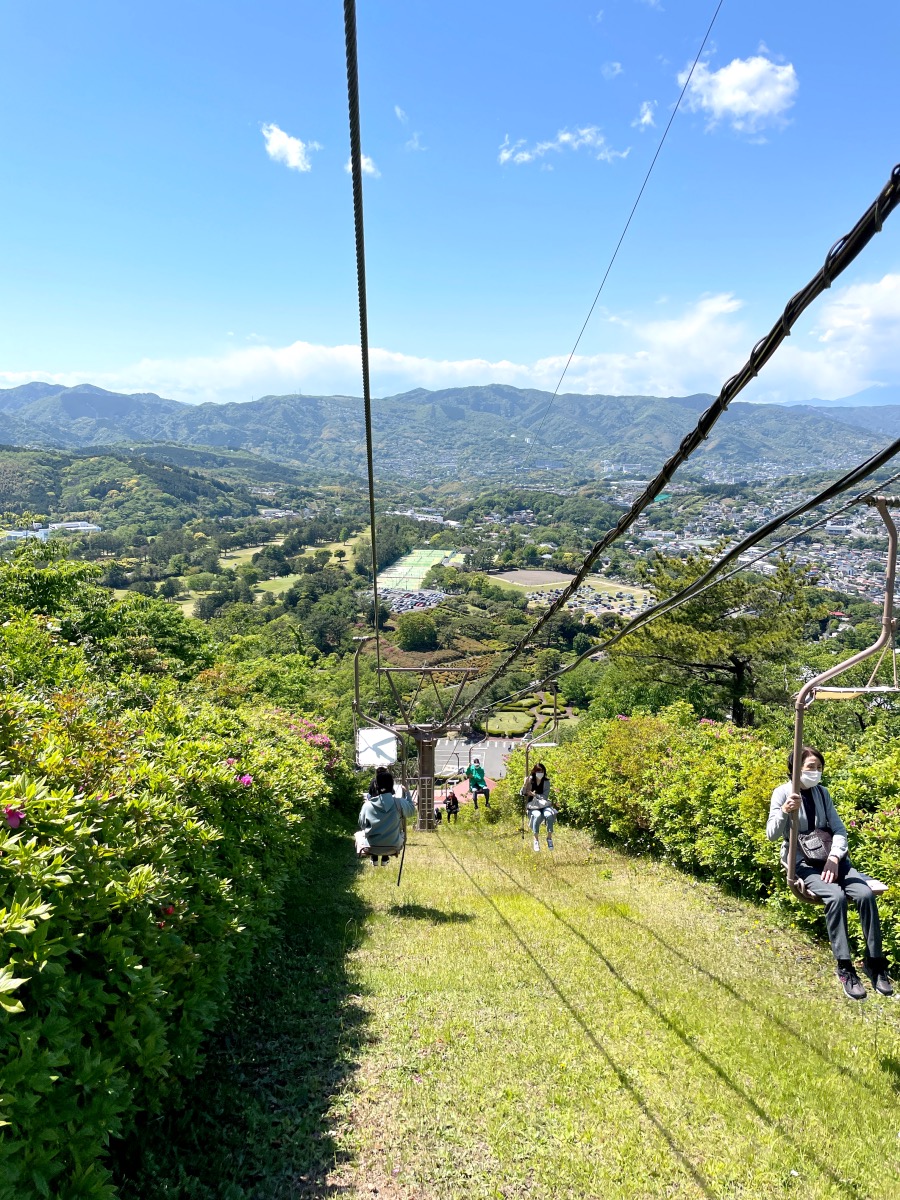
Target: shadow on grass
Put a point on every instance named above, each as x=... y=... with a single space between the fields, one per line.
x=257 y=1124
x=808 y=1043
x=421 y=912
x=775 y=1125
x=637 y=1096
x=891 y=1068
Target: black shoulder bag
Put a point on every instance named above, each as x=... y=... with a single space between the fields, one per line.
x=815 y=844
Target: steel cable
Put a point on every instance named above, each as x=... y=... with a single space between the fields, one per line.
x=710 y=577
x=615 y=253
x=356 y=173
x=839 y=257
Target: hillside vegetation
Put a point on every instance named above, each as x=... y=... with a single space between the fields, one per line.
x=148 y=826
x=435 y=435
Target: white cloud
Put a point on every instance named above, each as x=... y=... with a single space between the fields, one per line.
x=852 y=341
x=598 y=16
x=750 y=93
x=589 y=138
x=368 y=167
x=848 y=346
x=610 y=70
x=644 y=119
x=400 y=115
x=415 y=143
x=283 y=148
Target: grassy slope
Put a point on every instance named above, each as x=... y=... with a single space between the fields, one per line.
x=574 y=1025
x=589 y=1025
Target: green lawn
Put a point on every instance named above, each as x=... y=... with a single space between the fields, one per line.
x=508 y=1024
x=278 y=585
x=510 y=723
x=242 y=556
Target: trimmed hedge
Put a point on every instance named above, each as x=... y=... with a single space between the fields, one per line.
x=697 y=794
x=142 y=857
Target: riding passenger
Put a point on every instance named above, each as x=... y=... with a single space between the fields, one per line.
x=451 y=804
x=381 y=817
x=823 y=865
x=477 y=784
x=536 y=792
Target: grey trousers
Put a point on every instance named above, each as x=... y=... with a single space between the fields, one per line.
x=854 y=887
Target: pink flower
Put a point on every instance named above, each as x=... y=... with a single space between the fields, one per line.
x=230 y=761
x=14 y=816
x=246 y=780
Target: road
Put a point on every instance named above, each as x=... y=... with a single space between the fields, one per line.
x=453 y=755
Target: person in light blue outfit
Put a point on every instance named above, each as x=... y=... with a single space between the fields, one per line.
x=536 y=793
x=382 y=819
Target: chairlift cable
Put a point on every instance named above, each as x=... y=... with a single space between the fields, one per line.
x=594 y=651
x=609 y=266
x=359 y=228
x=839 y=257
x=794 y=536
x=710 y=578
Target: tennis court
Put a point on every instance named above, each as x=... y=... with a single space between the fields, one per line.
x=407 y=573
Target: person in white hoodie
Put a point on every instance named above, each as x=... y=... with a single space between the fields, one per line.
x=381 y=819
x=825 y=868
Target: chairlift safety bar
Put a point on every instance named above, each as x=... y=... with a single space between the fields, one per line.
x=814 y=689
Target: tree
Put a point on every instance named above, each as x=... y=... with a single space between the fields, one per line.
x=326 y=629
x=581 y=643
x=725 y=638
x=384 y=614
x=416 y=631
x=546 y=662
x=170 y=588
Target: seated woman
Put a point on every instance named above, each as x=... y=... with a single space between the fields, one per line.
x=381 y=819
x=536 y=793
x=828 y=873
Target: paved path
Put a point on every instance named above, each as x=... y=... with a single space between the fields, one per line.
x=453 y=755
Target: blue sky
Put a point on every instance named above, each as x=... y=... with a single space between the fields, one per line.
x=176 y=214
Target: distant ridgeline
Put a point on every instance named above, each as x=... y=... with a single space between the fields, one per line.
x=433 y=435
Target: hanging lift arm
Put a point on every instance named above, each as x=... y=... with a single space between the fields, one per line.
x=807 y=693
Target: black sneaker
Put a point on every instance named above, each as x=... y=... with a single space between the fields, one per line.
x=877 y=971
x=850 y=981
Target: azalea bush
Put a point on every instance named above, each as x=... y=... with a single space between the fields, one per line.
x=142 y=858
x=697 y=792
x=147 y=830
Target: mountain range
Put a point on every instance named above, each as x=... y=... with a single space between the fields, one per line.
x=436 y=434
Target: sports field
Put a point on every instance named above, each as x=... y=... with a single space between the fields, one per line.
x=407 y=573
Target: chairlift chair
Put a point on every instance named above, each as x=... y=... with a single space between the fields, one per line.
x=814 y=689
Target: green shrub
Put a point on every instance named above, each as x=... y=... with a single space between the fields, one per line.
x=147 y=866
x=697 y=794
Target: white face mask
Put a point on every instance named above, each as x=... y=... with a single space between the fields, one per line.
x=809 y=779
x=539 y=775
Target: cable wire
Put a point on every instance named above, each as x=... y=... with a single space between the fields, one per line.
x=839 y=257
x=615 y=253
x=709 y=578
x=359 y=228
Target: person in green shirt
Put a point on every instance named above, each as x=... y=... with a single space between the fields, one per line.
x=477 y=784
